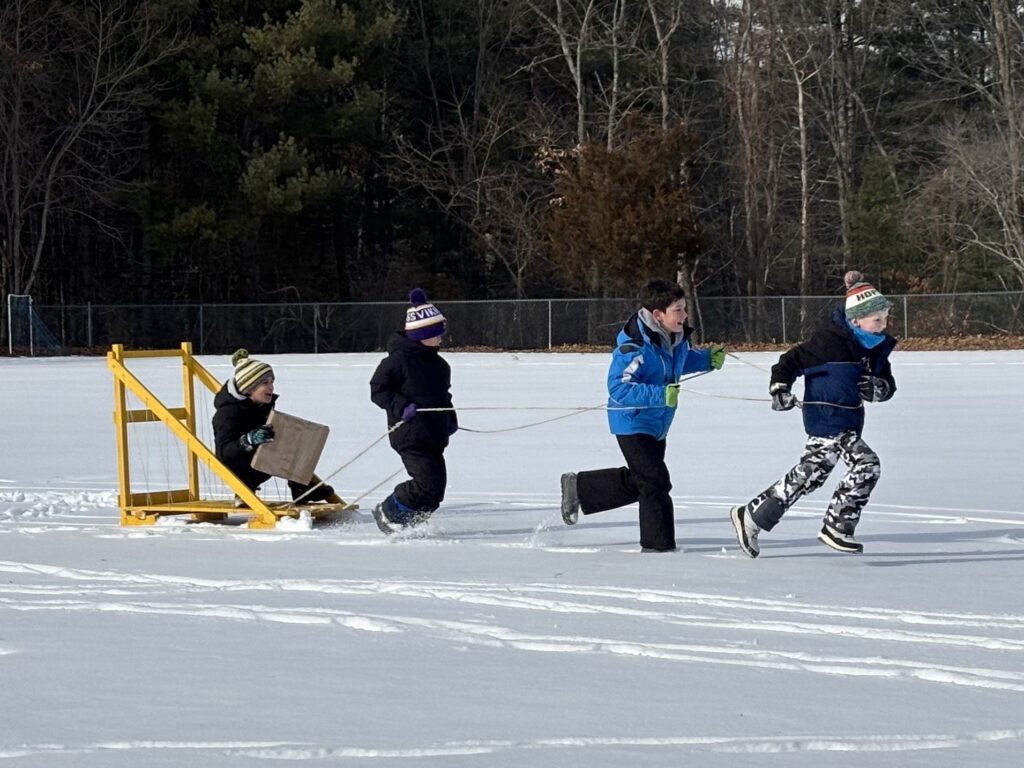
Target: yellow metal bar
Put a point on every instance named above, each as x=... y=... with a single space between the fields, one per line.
x=188 y=389
x=114 y=358
x=203 y=375
x=127 y=354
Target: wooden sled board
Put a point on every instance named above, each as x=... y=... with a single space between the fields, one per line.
x=296 y=448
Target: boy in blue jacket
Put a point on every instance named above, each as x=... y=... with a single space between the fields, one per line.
x=844 y=363
x=652 y=352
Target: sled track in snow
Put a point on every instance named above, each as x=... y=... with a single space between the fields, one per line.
x=717 y=629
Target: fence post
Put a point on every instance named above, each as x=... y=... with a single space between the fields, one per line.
x=316 y=322
x=202 y=328
x=783 y=300
x=906 y=320
x=88 y=325
x=549 y=325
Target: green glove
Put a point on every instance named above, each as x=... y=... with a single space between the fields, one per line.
x=717 y=357
x=672 y=395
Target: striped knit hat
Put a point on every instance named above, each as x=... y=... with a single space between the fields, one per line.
x=248 y=372
x=423 y=320
x=862 y=299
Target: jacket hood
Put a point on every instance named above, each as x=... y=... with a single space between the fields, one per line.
x=638 y=330
x=399 y=341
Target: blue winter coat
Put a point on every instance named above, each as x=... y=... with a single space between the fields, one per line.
x=642 y=367
x=832 y=362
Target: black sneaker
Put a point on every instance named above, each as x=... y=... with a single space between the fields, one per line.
x=841 y=542
x=570 y=499
x=746 y=531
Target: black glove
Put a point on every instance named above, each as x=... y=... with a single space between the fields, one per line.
x=873 y=389
x=258 y=436
x=782 y=398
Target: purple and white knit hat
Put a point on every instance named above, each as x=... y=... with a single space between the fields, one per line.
x=423 y=320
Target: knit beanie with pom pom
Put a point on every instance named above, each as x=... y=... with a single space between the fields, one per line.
x=249 y=372
x=862 y=299
x=423 y=320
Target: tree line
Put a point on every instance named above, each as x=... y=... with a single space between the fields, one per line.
x=346 y=150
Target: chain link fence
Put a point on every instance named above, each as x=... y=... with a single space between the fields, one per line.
x=528 y=324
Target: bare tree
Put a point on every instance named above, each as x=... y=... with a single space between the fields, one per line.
x=984 y=147
x=468 y=154
x=74 y=76
x=571 y=23
x=664 y=27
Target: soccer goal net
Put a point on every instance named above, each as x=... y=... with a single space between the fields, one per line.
x=27 y=334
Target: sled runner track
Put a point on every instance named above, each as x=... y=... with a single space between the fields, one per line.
x=565 y=747
x=722 y=624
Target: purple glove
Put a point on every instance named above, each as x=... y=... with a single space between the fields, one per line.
x=409 y=412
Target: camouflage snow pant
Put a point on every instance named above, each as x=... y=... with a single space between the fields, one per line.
x=821 y=454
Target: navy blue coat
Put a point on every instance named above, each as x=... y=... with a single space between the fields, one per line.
x=415 y=373
x=832 y=362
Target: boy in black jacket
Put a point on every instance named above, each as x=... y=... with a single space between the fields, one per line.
x=243 y=406
x=414 y=376
x=844 y=363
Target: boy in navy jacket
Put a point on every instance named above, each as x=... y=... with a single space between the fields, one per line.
x=414 y=376
x=844 y=363
x=652 y=352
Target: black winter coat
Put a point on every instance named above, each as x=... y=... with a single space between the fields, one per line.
x=832 y=362
x=415 y=373
x=232 y=419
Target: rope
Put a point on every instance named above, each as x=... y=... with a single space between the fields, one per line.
x=747 y=362
x=573 y=411
x=799 y=403
x=378 y=485
x=347 y=463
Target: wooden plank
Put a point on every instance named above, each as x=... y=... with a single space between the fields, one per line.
x=142 y=415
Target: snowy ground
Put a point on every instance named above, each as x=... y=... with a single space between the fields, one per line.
x=499 y=636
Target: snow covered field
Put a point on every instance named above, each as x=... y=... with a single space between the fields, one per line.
x=498 y=636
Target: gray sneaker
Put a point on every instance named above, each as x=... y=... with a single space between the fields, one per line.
x=746 y=531
x=381 y=518
x=570 y=499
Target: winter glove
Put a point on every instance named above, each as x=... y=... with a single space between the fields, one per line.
x=453 y=427
x=873 y=389
x=717 y=358
x=409 y=412
x=672 y=395
x=782 y=398
x=258 y=436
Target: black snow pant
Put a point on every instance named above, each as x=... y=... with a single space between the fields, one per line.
x=253 y=479
x=423 y=492
x=821 y=454
x=645 y=478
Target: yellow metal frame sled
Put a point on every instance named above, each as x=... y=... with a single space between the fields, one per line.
x=146 y=508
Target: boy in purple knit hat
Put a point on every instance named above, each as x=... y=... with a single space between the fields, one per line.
x=413 y=377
